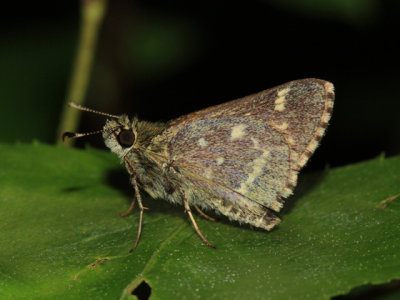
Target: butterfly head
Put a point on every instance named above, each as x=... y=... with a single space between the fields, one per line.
x=119 y=132
x=120 y=135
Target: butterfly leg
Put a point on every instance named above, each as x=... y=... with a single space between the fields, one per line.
x=141 y=208
x=129 y=209
x=203 y=214
x=189 y=212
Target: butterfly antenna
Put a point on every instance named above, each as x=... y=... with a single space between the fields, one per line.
x=83 y=108
x=78 y=135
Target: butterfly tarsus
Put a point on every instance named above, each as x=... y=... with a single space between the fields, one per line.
x=141 y=208
x=129 y=209
x=189 y=212
x=203 y=214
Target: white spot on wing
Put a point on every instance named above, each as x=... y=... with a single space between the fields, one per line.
x=202 y=142
x=281 y=100
x=283 y=92
x=280 y=106
x=238 y=132
x=220 y=161
x=258 y=165
x=208 y=173
x=282 y=126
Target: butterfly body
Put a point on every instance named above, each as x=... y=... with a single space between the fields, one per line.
x=239 y=159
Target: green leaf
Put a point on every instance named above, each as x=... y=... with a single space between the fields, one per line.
x=32 y=77
x=61 y=236
x=353 y=11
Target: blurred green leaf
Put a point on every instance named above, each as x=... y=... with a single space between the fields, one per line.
x=33 y=77
x=159 y=45
x=61 y=236
x=352 y=11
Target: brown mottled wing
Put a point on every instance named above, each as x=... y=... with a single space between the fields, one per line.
x=255 y=145
x=241 y=154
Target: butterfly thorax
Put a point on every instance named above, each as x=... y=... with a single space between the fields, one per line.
x=144 y=154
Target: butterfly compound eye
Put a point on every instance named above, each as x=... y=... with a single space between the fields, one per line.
x=126 y=138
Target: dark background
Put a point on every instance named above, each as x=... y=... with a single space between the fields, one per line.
x=162 y=59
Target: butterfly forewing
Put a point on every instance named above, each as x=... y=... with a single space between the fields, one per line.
x=237 y=153
x=255 y=145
